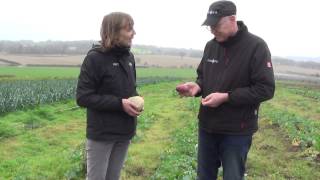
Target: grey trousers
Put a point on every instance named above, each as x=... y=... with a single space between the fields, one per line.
x=105 y=159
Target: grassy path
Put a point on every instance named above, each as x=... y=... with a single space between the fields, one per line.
x=165 y=107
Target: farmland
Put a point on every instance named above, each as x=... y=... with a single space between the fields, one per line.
x=44 y=139
x=14 y=73
x=143 y=60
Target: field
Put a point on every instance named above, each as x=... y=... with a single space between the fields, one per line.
x=43 y=59
x=14 y=73
x=75 y=60
x=141 y=60
x=42 y=137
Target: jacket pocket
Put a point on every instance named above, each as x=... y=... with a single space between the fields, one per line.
x=117 y=123
x=251 y=117
x=110 y=81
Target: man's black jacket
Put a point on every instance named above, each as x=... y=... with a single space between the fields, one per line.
x=106 y=77
x=242 y=67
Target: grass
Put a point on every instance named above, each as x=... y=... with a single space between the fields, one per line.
x=182 y=152
x=144 y=155
x=39 y=72
x=44 y=152
x=19 y=122
x=272 y=158
x=286 y=98
x=297 y=114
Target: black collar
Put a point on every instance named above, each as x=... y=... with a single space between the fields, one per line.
x=119 y=51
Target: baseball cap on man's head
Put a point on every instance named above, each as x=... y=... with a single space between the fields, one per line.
x=219 y=9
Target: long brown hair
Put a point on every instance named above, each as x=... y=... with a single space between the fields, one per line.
x=111 y=26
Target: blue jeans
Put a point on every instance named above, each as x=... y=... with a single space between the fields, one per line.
x=215 y=150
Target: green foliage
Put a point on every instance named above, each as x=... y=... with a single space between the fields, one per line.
x=179 y=160
x=21 y=94
x=77 y=170
x=145 y=121
x=32 y=73
x=51 y=151
x=298 y=128
x=317 y=143
x=306 y=92
x=7 y=130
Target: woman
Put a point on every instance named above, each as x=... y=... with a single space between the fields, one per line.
x=106 y=81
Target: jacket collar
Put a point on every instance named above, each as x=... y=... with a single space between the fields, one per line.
x=119 y=51
x=116 y=50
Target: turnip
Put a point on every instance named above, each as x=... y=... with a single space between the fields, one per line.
x=137 y=101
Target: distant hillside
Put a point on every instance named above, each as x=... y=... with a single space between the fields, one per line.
x=154 y=50
x=82 y=47
x=304 y=64
x=71 y=53
x=45 y=47
x=301 y=58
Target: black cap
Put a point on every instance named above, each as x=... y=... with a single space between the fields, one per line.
x=219 y=9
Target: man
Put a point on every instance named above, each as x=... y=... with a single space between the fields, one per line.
x=235 y=75
x=106 y=81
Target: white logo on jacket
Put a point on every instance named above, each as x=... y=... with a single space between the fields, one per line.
x=212 y=60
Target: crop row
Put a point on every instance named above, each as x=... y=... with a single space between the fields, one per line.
x=16 y=95
x=302 y=132
x=306 y=93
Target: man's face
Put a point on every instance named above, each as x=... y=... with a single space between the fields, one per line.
x=126 y=35
x=222 y=30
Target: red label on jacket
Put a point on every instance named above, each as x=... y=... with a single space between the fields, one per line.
x=269 y=65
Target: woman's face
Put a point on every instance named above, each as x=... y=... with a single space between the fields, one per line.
x=126 y=35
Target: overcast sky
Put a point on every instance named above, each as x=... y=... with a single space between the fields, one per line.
x=290 y=27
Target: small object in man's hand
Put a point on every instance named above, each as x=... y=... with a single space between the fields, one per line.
x=182 y=88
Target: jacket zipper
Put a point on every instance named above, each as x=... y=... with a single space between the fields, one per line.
x=226 y=62
x=226 y=57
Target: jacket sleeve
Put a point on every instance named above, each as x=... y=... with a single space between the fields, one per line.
x=262 y=84
x=199 y=80
x=135 y=76
x=86 y=93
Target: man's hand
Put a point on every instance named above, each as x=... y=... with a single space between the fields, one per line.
x=130 y=108
x=188 y=89
x=215 y=99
